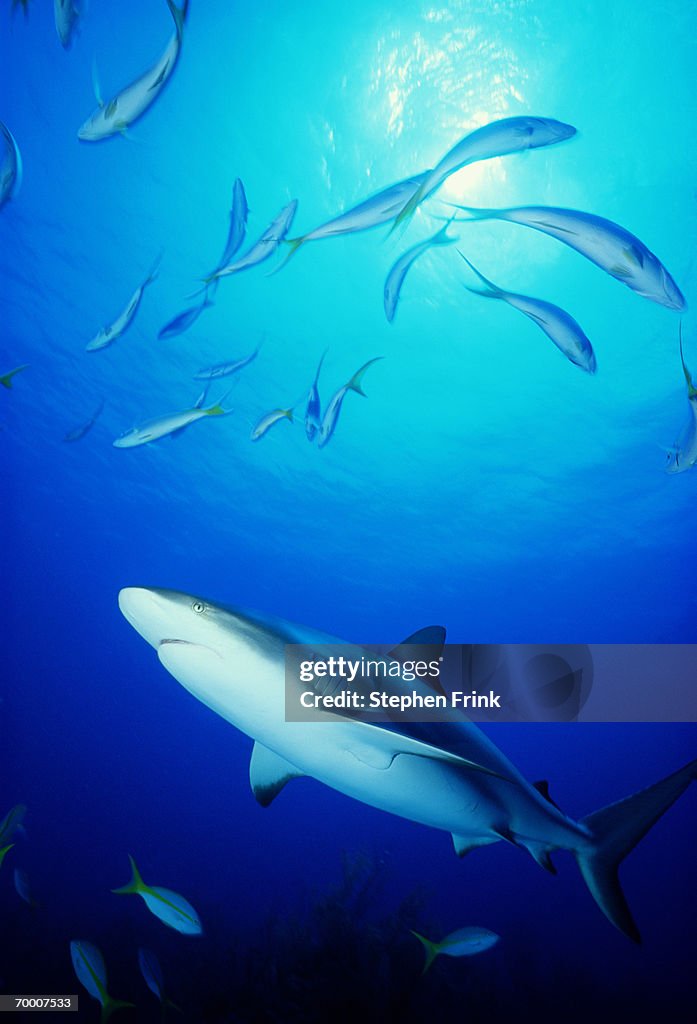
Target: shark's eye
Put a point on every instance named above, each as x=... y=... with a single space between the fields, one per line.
x=198 y=607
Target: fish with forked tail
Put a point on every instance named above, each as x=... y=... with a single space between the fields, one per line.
x=116 y=115
x=557 y=324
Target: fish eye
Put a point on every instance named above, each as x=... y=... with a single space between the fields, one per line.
x=198 y=607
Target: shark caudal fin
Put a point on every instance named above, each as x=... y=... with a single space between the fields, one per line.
x=431 y=949
x=617 y=829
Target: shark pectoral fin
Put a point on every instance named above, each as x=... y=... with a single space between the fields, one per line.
x=465 y=844
x=268 y=774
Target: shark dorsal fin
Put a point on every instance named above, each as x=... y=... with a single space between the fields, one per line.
x=542 y=787
x=424 y=645
x=268 y=774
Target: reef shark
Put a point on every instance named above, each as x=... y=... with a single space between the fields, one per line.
x=448 y=775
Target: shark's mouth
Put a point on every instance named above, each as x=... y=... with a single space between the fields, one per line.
x=172 y=641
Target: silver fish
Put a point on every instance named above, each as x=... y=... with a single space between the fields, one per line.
x=183 y=321
x=66 y=14
x=267 y=421
x=684 y=455
x=171 y=424
x=313 y=408
x=123 y=109
x=331 y=416
x=610 y=246
x=263 y=248
x=23 y=888
x=238 y=224
x=557 y=324
x=79 y=432
x=225 y=369
x=499 y=138
x=398 y=272
x=10 y=166
x=108 y=335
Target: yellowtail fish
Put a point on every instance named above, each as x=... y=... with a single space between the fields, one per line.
x=378 y=209
x=183 y=321
x=463 y=942
x=267 y=421
x=6 y=378
x=263 y=248
x=79 y=432
x=23 y=888
x=227 y=368
x=238 y=226
x=4 y=850
x=152 y=974
x=171 y=424
x=683 y=455
x=499 y=138
x=610 y=246
x=11 y=823
x=10 y=166
x=557 y=324
x=331 y=416
x=88 y=964
x=67 y=14
x=313 y=409
x=398 y=272
x=122 y=110
x=171 y=908
x=108 y=335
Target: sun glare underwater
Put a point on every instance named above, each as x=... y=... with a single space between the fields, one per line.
x=368 y=318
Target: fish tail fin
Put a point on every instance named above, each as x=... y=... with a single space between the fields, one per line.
x=293 y=246
x=6 y=379
x=179 y=15
x=474 y=212
x=356 y=382
x=154 y=269
x=409 y=208
x=216 y=410
x=167 y=1004
x=691 y=389
x=616 y=830
x=136 y=884
x=430 y=948
x=110 y=1006
x=4 y=850
x=443 y=238
x=288 y=413
x=490 y=290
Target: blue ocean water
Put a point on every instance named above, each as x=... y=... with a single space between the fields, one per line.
x=484 y=482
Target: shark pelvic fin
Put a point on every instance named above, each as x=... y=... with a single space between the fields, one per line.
x=268 y=774
x=465 y=844
x=615 y=831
